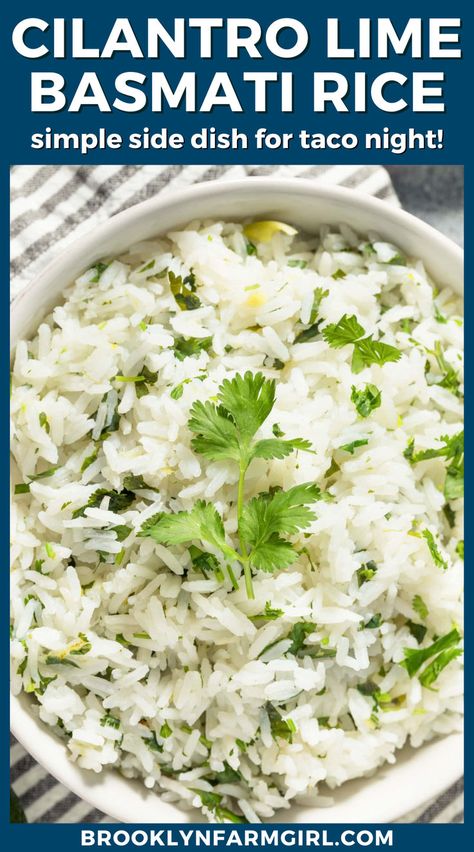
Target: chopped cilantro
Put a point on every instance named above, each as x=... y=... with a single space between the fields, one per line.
x=122 y=531
x=452 y=449
x=374 y=622
x=417 y=630
x=184 y=291
x=449 y=514
x=367 y=399
x=433 y=669
x=299 y=264
x=318 y=296
x=165 y=731
x=419 y=606
x=44 y=422
x=352 y=446
x=112 y=417
x=449 y=377
x=439 y=317
x=414 y=658
x=109 y=721
x=366 y=572
x=227 y=776
x=89 y=460
x=132 y=482
x=308 y=333
x=189 y=347
x=24 y=487
x=99 y=269
x=268 y=614
x=153 y=743
x=148 y=377
x=438 y=559
x=281 y=728
x=119 y=500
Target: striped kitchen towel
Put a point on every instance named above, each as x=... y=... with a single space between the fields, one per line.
x=50 y=207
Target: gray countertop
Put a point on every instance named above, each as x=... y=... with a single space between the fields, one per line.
x=434 y=194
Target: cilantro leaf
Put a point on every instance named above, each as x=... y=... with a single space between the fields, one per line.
x=264 y=519
x=202 y=522
x=215 y=434
x=369 y=351
x=415 y=658
x=347 y=330
x=440 y=662
x=249 y=400
x=367 y=399
x=352 y=446
x=122 y=531
x=283 y=512
x=272 y=554
x=275 y=448
x=150 y=522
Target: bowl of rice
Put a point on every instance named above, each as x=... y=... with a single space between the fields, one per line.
x=237 y=494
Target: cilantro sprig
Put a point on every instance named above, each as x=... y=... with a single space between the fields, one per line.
x=227 y=430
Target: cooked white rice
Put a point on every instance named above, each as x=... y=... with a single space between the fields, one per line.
x=142 y=663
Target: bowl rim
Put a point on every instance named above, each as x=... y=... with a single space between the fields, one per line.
x=216 y=188
x=23 y=722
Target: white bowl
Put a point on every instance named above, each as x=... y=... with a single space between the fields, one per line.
x=418 y=774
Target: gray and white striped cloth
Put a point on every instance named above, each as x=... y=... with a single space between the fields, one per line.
x=50 y=207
